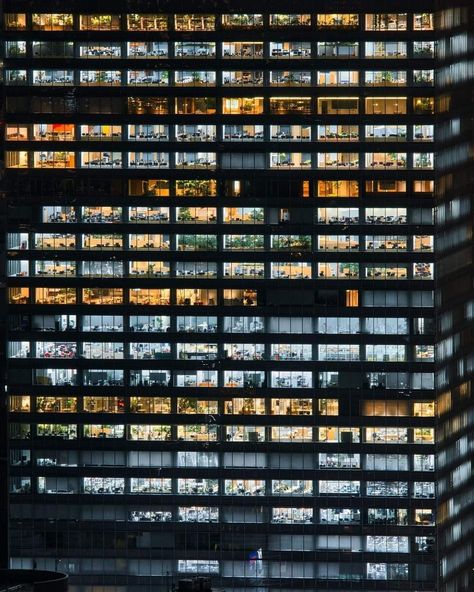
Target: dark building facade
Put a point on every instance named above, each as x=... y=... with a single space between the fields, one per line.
x=220 y=351
x=454 y=298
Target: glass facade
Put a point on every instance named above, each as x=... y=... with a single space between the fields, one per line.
x=455 y=305
x=226 y=216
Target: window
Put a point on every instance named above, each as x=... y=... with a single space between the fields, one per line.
x=339 y=461
x=194 y=49
x=386 y=22
x=147 y=78
x=290 y=49
x=334 y=435
x=339 y=487
x=424 y=49
x=423 y=435
x=147 y=22
x=288 y=106
x=386 y=133
x=386 y=78
x=198 y=514
x=151 y=485
x=99 y=22
x=204 y=566
x=424 y=517
x=292 y=515
x=195 y=105
x=423 y=21
x=328 y=407
x=387 y=488
x=189 y=78
x=385 y=353
x=241 y=21
x=337 y=21
x=423 y=77
x=338 y=49
x=194 y=22
x=387 y=516
x=102 y=295
x=426 y=409
x=386 y=106
x=290 y=20
x=386 y=49
x=15 y=21
x=423 y=489
x=52 y=22
x=336 y=106
x=387 y=544
x=197 y=486
x=291 y=487
x=338 y=160
x=104 y=431
x=290 y=78
x=197 y=433
x=387 y=571
x=103 y=405
x=291 y=434
x=147 y=49
x=386 y=462
x=339 y=516
x=338 y=78
x=340 y=352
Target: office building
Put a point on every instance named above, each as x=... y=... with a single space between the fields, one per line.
x=220 y=262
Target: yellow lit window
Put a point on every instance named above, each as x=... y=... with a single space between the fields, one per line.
x=328 y=407
x=386 y=186
x=99 y=22
x=20 y=404
x=15 y=21
x=150 y=296
x=386 y=105
x=242 y=21
x=56 y=404
x=338 y=21
x=423 y=435
x=55 y=295
x=290 y=20
x=423 y=105
x=425 y=409
x=352 y=298
x=194 y=22
x=386 y=22
x=149 y=187
x=242 y=106
x=191 y=406
x=340 y=188
x=18 y=295
x=147 y=22
x=104 y=405
x=150 y=404
x=102 y=296
x=52 y=22
x=423 y=186
x=423 y=21
x=385 y=408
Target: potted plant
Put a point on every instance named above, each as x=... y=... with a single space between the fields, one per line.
x=184 y=215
